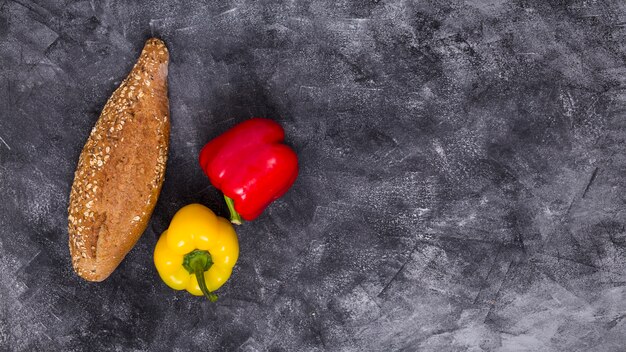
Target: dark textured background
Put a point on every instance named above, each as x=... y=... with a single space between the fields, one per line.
x=462 y=181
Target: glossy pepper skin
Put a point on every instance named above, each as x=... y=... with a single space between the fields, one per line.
x=250 y=164
x=197 y=245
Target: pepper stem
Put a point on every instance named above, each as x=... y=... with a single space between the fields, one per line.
x=235 y=218
x=197 y=262
x=200 y=277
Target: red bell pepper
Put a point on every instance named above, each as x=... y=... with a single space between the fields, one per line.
x=252 y=167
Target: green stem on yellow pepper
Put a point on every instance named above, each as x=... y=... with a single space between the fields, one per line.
x=197 y=262
x=200 y=276
x=235 y=218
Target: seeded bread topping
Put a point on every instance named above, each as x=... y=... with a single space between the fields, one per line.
x=121 y=168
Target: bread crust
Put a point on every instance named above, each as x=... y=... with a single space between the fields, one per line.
x=121 y=168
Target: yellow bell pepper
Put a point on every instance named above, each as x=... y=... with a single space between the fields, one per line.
x=197 y=252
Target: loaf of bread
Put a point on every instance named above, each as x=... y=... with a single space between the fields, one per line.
x=121 y=168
